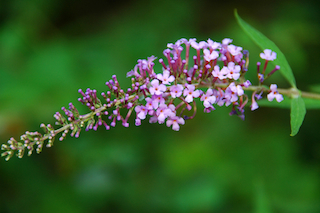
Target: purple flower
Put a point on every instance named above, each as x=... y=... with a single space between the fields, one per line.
x=198 y=46
x=238 y=57
x=176 y=90
x=137 y=122
x=208 y=109
x=247 y=83
x=166 y=78
x=151 y=104
x=221 y=74
x=254 y=104
x=208 y=99
x=234 y=71
x=260 y=77
x=213 y=45
x=141 y=112
x=234 y=50
x=173 y=110
x=233 y=91
x=153 y=119
x=226 y=41
x=175 y=121
x=210 y=56
x=157 y=89
x=163 y=112
x=157 y=100
x=178 y=43
x=190 y=93
x=274 y=94
x=268 y=55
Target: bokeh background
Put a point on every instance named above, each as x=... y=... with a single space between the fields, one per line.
x=215 y=163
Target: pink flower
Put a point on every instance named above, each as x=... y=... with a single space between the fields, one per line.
x=208 y=109
x=198 y=46
x=233 y=91
x=234 y=71
x=150 y=105
x=274 y=94
x=163 y=112
x=220 y=74
x=177 y=44
x=157 y=89
x=190 y=93
x=246 y=84
x=153 y=119
x=176 y=90
x=208 y=99
x=213 y=45
x=141 y=112
x=254 y=104
x=138 y=122
x=157 y=100
x=234 y=50
x=210 y=56
x=166 y=78
x=175 y=121
x=173 y=110
x=268 y=55
x=226 y=41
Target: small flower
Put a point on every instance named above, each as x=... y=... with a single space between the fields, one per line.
x=175 y=121
x=221 y=74
x=166 y=78
x=268 y=55
x=198 y=46
x=163 y=112
x=234 y=71
x=141 y=112
x=153 y=119
x=157 y=100
x=208 y=99
x=190 y=93
x=137 y=122
x=254 y=104
x=172 y=109
x=247 y=83
x=260 y=77
x=210 y=56
x=258 y=96
x=177 y=44
x=151 y=104
x=232 y=92
x=157 y=89
x=234 y=50
x=274 y=94
x=213 y=45
x=208 y=109
x=176 y=90
x=226 y=41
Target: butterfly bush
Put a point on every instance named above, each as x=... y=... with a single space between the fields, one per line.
x=214 y=76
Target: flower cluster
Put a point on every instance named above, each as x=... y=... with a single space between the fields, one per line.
x=214 y=75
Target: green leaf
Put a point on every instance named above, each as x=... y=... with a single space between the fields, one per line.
x=264 y=43
x=298 y=111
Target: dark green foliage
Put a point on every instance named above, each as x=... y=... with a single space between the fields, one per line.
x=215 y=163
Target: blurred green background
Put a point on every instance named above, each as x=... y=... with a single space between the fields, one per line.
x=215 y=163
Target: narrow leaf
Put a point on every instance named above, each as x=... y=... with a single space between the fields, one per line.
x=298 y=111
x=264 y=43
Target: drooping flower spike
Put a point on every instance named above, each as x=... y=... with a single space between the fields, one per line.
x=214 y=76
